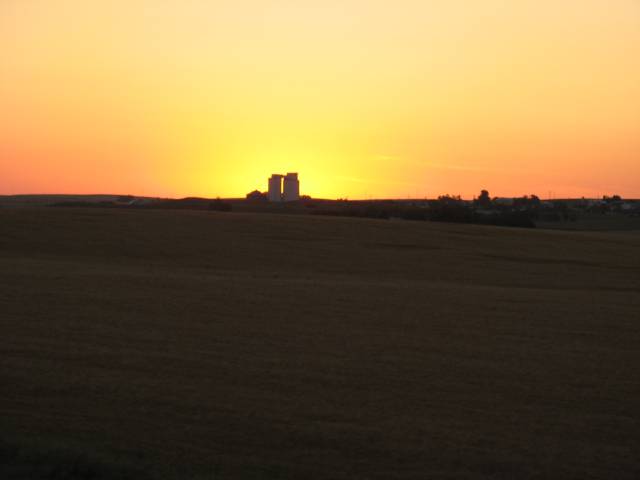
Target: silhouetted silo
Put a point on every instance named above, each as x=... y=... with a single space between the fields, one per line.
x=291 y=188
x=275 y=188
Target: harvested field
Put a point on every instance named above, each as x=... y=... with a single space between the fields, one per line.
x=226 y=345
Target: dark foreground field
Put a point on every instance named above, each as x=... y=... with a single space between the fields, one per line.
x=211 y=345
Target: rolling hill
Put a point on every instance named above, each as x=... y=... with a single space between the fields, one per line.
x=230 y=345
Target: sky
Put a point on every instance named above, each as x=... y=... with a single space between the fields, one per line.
x=364 y=98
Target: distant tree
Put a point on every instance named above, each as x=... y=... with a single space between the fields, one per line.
x=256 y=196
x=449 y=199
x=484 y=200
x=450 y=208
x=612 y=199
x=531 y=202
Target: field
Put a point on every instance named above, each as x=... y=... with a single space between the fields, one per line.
x=596 y=222
x=231 y=346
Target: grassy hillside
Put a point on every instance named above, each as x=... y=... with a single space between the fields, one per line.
x=212 y=345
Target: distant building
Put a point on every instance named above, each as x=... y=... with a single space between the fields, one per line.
x=275 y=188
x=256 y=196
x=291 y=188
x=287 y=190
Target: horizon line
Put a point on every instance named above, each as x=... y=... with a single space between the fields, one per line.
x=371 y=199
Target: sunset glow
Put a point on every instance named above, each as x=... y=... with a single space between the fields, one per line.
x=364 y=98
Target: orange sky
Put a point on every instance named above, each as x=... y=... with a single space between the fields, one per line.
x=364 y=98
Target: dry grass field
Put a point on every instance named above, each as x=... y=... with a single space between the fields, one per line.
x=230 y=346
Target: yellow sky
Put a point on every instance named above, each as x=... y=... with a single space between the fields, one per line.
x=364 y=98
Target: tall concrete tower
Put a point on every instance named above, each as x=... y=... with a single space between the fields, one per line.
x=291 y=188
x=275 y=188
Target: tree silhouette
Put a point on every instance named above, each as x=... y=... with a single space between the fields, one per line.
x=484 y=200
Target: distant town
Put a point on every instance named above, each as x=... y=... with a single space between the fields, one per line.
x=283 y=197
